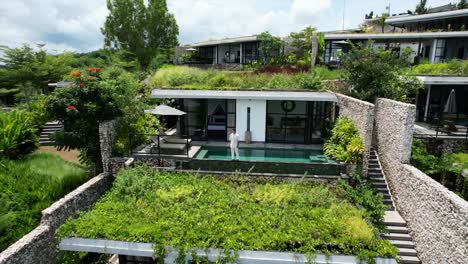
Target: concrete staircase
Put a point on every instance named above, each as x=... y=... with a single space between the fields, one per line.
x=48 y=129
x=395 y=226
x=377 y=178
x=398 y=235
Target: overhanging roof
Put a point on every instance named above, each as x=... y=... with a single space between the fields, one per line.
x=226 y=41
x=443 y=80
x=427 y=17
x=253 y=95
x=244 y=256
x=397 y=36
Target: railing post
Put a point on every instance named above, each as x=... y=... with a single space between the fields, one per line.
x=187 y=145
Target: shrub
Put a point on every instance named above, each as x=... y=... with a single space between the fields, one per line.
x=30 y=185
x=345 y=144
x=81 y=107
x=17 y=134
x=453 y=67
x=377 y=73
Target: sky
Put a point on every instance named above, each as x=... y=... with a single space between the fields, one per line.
x=75 y=25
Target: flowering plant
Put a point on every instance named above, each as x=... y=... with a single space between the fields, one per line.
x=80 y=107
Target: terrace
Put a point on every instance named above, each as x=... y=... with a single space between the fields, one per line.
x=189 y=217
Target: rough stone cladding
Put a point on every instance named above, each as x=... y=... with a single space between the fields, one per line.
x=362 y=113
x=437 y=218
x=40 y=245
x=107 y=134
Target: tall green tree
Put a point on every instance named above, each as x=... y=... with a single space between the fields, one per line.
x=270 y=46
x=302 y=43
x=375 y=73
x=462 y=4
x=421 y=8
x=381 y=21
x=146 y=30
x=27 y=71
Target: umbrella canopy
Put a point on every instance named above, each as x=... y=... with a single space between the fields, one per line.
x=190 y=49
x=451 y=105
x=165 y=110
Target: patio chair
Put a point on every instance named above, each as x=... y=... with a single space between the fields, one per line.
x=167 y=147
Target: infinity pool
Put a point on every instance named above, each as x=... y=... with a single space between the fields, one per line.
x=260 y=154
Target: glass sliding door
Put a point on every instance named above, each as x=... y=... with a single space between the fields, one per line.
x=193 y=124
x=297 y=122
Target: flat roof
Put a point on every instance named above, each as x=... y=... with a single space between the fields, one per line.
x=426 y=17
x=236 y=94
x=226 y=41
x=443 y=80
x=421 y=35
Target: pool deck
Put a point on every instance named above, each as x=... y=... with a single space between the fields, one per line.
x=195 y=147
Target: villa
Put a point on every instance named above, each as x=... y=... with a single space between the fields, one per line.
x=436 y=37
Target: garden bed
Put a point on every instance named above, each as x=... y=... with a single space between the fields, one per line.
x=186 y=211
x=194 y=78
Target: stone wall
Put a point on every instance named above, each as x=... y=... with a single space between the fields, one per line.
x=40 y=246
x=438 y=146
x=107 y=134
x=437 y=218
x=362 y=113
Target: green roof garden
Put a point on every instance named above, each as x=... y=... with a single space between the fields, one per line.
x=195 y=78
x=185 y=211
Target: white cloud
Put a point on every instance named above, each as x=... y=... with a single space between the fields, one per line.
x=75 y=25
x=202 y=19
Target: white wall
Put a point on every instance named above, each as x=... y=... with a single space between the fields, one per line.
x=257 y=119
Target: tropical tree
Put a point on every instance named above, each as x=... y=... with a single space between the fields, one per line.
x=26 y=72
x=271 y=46
x=146 y=30
x=462 y=4
x=302 y=43
x=421 y=7
x=377 y=73
x=381 y=21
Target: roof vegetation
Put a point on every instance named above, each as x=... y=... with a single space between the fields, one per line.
x=453 y=67
x=186 y=211
x=194 y=78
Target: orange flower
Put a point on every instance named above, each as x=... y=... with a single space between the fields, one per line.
x=81 y=84
x=97 y=69
x=76 y=74
x=89 y=69
x=71 y=107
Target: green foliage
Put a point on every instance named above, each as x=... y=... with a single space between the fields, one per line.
x=193 y=78
x=302 y=44
x=345 y=144
x=378 y=73
x=26 y=72
x=421 y=8
x=17 y=134
x=462 y=4
x=364 y=194
x=422 y=159
x=145 y=30
x=183 y=211
x=453 y=67
x=381 y=21
x=271 y=46
x=81 y=107
x=446 y=169
x=27 y=187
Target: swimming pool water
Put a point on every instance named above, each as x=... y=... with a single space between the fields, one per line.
x=260 y=154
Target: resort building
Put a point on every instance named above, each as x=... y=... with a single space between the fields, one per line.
x=435 y=37
x=270 y=116
x=224 y=52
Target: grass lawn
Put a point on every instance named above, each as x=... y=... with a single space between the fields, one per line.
x=30 y=185
x=71 y=156
x=194 y=78
x=187 y=211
